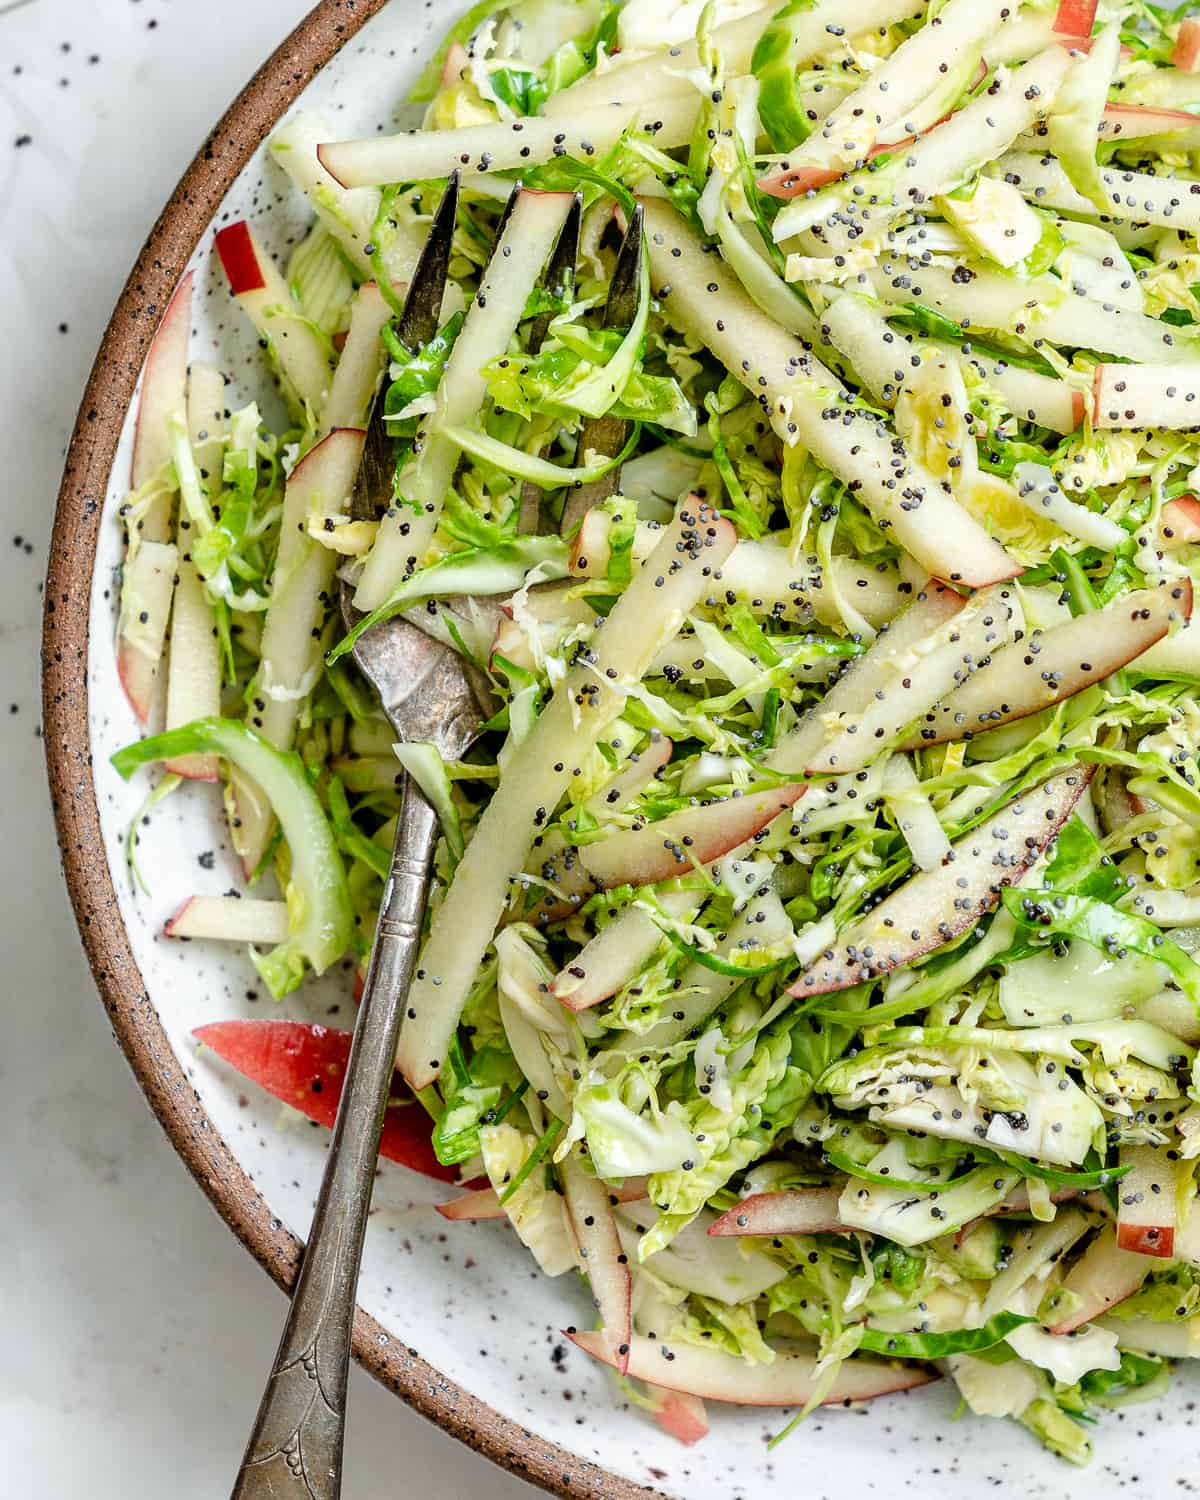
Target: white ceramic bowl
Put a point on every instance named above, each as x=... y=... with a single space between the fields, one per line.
x=465 y=1298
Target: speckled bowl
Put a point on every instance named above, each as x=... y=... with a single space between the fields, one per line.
x=455 y=1319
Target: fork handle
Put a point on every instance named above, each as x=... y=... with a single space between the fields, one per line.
x=295 y=1447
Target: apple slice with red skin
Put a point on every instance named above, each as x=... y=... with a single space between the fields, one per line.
x=1186 y=53
x=601 y=1258
x=1017 y=1202
x=484 y=1204
x=1158 y=395
x=801 y=1211
x=789 y=1380
x=266 y=298
x=231 y=919
x=1103 y=1276
x=474 y=1207
x=239 y=259
x=1179 y=522
x=305 y=1066
x=676 y=844
x=1128 y=122
x=681 y=1415
x=796 y=181
x=552 y=853
x=1048 y=666
x=456 y=59
x=1075 y=17
x=931 y=909
x=1147 y=1202
x=164 y=388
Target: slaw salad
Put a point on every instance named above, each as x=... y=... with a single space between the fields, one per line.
x=811 y=957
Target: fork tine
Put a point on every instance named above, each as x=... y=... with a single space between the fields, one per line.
x=417 y=324
x=559 y=275
x=621 y=307
x=606 y=435
x=558 y=279
x=423 y=305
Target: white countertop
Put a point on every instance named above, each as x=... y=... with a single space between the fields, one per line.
x=137 y=1330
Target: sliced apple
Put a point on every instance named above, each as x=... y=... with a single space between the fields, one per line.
x=1045 y=667
x=994 y=299
x=557 y=861
x=146 y=589
x=943 y=664
x=934 y=907
x=1186 y=52
x=931 y=609
x=1033 y=396
x=149 y=573
x=792 y=182
x=802 y=1211
x=702 y=297
x=1103 y=1276
x=530 y=233
x=590 y=550
x=193 y=669
x=290 y=652
x=549 y=623
x=1179 y=522
x=1075 y=17
x=421 y=155
x=207 y=426
x=1177 y=655
x=265 y=297
x=1017 y=1202
x=1145 y=199
x=457 y=58
x=1127 y=122
x=361 y=362
x=641 y=76
x=602 y=1260
x=615 y=955
x=164 y=386
x=790 y=1380
x=1147 y=1202
x=646 y=615
x=1166 y=396
x=675 y=845
x=681 y=1415
x=762 y=571
x=762 y=925
x=484 y=1204
x=231 y=919
x=481 y=1204
x=1179 y=1340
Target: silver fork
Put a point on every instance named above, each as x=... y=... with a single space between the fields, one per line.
x=432 y=694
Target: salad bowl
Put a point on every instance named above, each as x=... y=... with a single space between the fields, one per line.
x=453 y=1319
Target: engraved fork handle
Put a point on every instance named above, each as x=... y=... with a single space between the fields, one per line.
x=295 y=1447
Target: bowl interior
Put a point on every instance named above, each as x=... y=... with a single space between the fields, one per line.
x=467 y=1297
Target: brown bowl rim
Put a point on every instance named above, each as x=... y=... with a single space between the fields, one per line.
x=90 y=457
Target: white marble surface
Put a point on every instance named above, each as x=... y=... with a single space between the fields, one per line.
x=136 y=1329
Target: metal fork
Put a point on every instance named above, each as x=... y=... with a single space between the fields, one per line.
x=432 y=694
